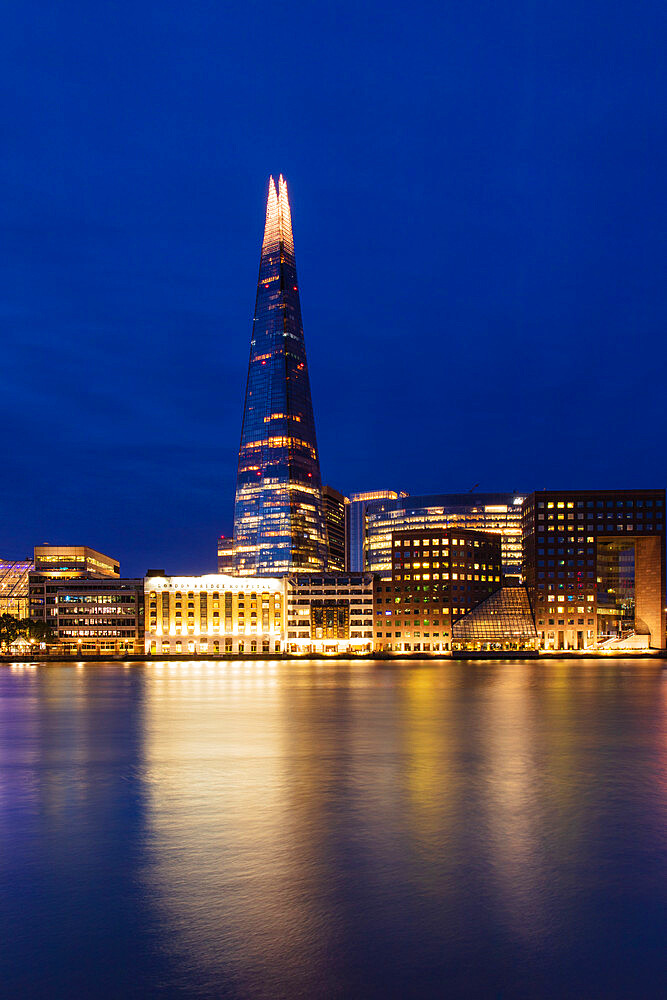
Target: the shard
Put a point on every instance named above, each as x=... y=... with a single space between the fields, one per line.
x=278 y=517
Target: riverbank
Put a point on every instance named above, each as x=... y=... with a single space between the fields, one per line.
x=506 y=656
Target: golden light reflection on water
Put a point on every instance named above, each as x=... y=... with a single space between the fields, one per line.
x=228 y=778
x=431 y=771
x=511 y=802
x=287 y=804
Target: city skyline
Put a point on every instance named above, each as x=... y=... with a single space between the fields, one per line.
x=333 y=596
x=492 y=260
x=278 y=237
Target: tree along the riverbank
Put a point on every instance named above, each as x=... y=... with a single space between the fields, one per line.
x=12 y=628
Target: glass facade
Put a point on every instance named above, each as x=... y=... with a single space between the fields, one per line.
x=334 y=520
x=14 y=579
x=278 y=518
x=355 y=526
x=615 y=588
x=504 y=621
x=499 y=513
x=225 y=554
x=71 y=561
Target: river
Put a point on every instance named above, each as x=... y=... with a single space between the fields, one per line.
x=319 y=829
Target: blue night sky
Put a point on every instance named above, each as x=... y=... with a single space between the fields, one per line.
x=477 y=192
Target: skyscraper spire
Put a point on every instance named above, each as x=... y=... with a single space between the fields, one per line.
x=272 y=224
x=278 y=518
x=278 y=225
x=285 y=216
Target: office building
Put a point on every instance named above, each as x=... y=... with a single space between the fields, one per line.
x=278 y=519
x=498 y=513
x=334 y=504
x=355 y=526
x=214 y=614
x=14 y=587
x=594 y=567
x=88 y=615
x=68 y=561
x=225 y=555
x=55 y=563
x=436 y=577
x=330 y=613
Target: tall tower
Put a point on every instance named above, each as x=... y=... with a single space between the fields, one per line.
x=278 y=519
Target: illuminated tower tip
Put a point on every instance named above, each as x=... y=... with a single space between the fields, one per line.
x=278 y=227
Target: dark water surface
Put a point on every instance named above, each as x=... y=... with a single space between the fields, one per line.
x=220 y=829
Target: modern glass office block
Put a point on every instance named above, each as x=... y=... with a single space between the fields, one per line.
x=278 y=517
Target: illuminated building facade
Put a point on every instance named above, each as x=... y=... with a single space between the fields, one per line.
x=330 y=613
x=214 y=614
x=355 y=526
x=502 y=622
x=436 y=578
x=594 y=567
x=14 y=587
x=278 y=519
x=67 y=561
x=104 y=615
x=499 y=513
x=225 y=554
x=333 y=504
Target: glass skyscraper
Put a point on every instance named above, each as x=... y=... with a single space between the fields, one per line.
x=278 y=518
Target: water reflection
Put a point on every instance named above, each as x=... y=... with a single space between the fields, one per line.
x=230 y=870
x=263 y=829
x=71 y=832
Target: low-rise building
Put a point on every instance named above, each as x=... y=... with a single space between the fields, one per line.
x=213 y=614
x=92 y=616
x=330 y=613
x=55 y=563
x=436 y=578
x=69 y=561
